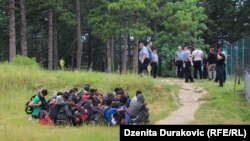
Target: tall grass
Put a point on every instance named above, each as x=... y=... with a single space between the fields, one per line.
x=18 y=83
x=223 y=105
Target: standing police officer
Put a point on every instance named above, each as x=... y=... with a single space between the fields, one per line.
x=187 y=58
x=143 y=58
x=179 y=62
x=220 y=67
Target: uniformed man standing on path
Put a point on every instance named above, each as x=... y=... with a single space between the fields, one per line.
x=187 y=58
x=220 y=67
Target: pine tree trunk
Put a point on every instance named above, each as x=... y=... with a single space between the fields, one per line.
x=24 y=50
x=90 y=52
x=12 y=30
x=112 y=53
x=55 y=49
x=109 y=56
x=155 y=27
x=135 y=54
x=125 y=52
x=73 y=44
x=78 y=36
x=50 y=41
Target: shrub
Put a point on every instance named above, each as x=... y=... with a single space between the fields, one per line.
x=25 y=61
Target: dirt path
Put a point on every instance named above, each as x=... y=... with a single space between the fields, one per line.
x=189 y=101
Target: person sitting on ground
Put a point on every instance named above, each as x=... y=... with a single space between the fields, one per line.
x=108 y=112
x=128 y=99
x=65 y=111
x=52 y=101
x=134 y=99
x=60 y=102
x=75 y=89
x=93 y=94
x=85 y=89
x=85 y=96
x=117 y=90
x=109 y=96
x=88 y=105
x=140 y=111
x=38 y=103
x=101 y=101
x=118 y=95
x=73 y=93
x=122 y=116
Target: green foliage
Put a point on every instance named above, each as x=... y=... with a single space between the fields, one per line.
x=227 y=21
x=25 y=61
x=3 y=18
x=109 y=17
x=127 y=5
x=58 y=6
x=104 y=24
x=68 y=17
x=183 y=25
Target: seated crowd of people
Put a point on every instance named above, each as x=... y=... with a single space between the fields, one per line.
x=89 y=106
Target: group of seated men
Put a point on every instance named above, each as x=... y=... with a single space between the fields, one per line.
x=89 y=105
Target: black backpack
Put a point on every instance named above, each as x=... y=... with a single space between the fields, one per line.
x=29 y=109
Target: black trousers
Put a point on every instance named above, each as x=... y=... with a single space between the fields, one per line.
x=179 y=64
x=220 y=71
x=224 y=74
x=197 y=67
x=144 y=66
x=205 y=72
x=154 y=69
x=188 y=70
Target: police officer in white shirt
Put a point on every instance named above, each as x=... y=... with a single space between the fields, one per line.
x=143 y=58
x=197 y=56
x=154 y=63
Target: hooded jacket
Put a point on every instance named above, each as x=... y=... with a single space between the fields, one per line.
x=138 y=106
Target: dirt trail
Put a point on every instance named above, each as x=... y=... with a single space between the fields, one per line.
x=189 y=101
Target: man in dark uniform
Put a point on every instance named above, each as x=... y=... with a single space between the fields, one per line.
x=220 y=67
x=187 y=58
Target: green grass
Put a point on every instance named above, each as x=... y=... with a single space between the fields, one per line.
x=223 y=105
x=18 y=83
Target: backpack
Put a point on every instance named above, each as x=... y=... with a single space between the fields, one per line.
x=29 y=109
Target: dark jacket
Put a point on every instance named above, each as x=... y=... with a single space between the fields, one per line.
x=139 y=106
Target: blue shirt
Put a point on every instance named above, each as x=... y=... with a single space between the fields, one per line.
x=144 y=51
x=155 y=57
x=186 y=55
x=109 y=113
x=179 y=55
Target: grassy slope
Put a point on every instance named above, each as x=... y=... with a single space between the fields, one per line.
x=17 y=84
x=223 y=105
